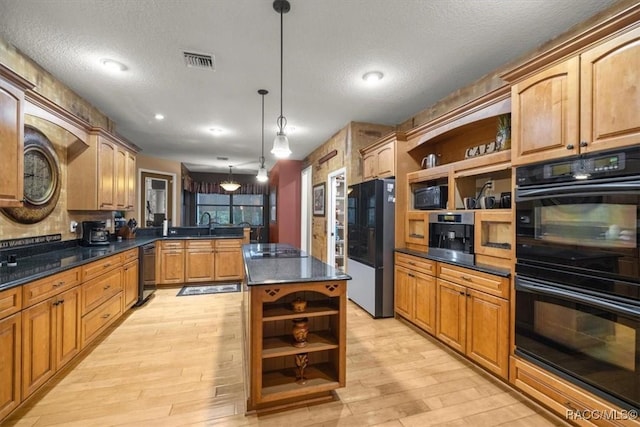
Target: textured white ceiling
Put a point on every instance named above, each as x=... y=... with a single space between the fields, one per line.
x=425 y=48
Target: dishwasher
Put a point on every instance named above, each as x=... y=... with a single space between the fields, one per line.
x=147 y=273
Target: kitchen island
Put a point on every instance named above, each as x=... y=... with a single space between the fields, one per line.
x=295 y=327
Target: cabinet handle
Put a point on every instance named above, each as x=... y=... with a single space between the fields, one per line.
x=55 y=303
x=60 y=283
x=61 y=301
x=410 y=275
x=106 y=316
x=570 y=146
x=461 y=293
x=412 y=263
x=107 y=265
x=583 y=143
x=106 y=287
x=467 y=278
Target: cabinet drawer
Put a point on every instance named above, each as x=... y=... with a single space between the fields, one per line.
x=96 y=268
x=95 y=322
x=421 y=265
x=172 y=244
x=559 y=395
x=228 y=243
x=10 y=301
x=129 y=255
x=99 y=290
x=199 y=244
x=485 y=282
x=42 y=289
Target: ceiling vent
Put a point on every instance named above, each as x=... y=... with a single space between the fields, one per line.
x=222 y=158
x=199 y=60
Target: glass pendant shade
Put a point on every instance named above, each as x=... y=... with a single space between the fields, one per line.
x=262 y=174
x=281 y=146
x=230 y=185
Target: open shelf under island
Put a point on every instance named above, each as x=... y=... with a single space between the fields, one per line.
x=295 y=327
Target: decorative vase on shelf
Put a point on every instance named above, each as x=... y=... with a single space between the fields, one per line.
x=298 y=305
x=503 y=135
x=302 y=361
x=300 y=331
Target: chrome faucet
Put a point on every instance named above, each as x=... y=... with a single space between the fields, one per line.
x=208 y=215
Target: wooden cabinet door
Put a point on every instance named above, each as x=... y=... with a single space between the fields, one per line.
x=11 y=362
x=404 y=286
x=120 y=179
x=544 y=114
x=451 y=314
x=228 y=264
x=386 y=161
x=610 y=93
x=425 y=302
x=171 y=266
x=369 y=166
x=488 y=331
x=67 y=336
x=199 y=265
x=12 y=141
x=131 y=181
x=130 y=281
x=38 y=345
x=106 y=174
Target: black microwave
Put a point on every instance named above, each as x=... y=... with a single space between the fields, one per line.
x=434 y=197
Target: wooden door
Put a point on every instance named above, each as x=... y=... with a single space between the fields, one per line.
x=369 y=166
x=488 y=331
x=38 y=345
x=171 y=266
x=451 y=314
x=10 y=368
x=425 y=302
x=12 y=137
x=199 y=265
x=610 y=93
x=67 y=335
x=386 y=161
x=404 y=286
x=106 y=174
x=131 y=181
x=130 y=280
x=228 y=264
x=544 y=114
x=120 y=179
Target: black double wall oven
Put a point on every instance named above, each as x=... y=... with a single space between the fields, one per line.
x=577 y=280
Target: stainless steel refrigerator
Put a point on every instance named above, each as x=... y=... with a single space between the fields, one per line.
x=371 y=229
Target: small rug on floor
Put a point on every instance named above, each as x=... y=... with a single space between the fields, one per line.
x=218 y=288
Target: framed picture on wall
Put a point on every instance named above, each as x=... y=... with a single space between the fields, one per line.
x=318 y=199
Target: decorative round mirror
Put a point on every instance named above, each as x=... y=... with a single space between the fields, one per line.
x=41 y=179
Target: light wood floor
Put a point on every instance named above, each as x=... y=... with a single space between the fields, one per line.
x=178 y=362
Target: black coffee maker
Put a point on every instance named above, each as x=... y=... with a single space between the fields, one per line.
x=451 y=236
x=94 y=233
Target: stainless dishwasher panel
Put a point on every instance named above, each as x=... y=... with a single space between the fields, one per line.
x=147 y=273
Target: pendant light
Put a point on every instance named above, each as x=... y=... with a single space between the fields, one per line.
x=230 y=185
x=281 y=143
x=262 y=172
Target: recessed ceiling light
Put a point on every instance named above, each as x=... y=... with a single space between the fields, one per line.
x=372 y=76
x=159 y=116
x=113 y=65
x=216 y=131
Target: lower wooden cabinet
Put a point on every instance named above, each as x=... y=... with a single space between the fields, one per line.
x=130 y=279
x=50 y=338
x=229 y=265
x=474 y=323
x=10 y=363
x=416 y=298
x=199 y=261
x=93 y=323
x=171 y=264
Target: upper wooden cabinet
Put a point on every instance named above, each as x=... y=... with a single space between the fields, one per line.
x=12 y=102
x=102 y=176
x=378 y=160
x=580 y=105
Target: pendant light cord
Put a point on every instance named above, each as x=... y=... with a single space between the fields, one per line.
x=262 y=152
x=281 y=119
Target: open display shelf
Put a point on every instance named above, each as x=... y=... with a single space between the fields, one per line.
x=274 y=377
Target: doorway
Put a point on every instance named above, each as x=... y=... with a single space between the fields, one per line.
x=157 y=197
x=336 y=219
x=305 y=211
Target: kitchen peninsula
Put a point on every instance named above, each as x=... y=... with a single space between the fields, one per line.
x=295 y=327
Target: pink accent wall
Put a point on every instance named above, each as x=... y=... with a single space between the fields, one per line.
x=284 y=178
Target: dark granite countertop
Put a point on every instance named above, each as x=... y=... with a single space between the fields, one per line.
x=38 y=266
x=478 y=267
x=282 y=263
